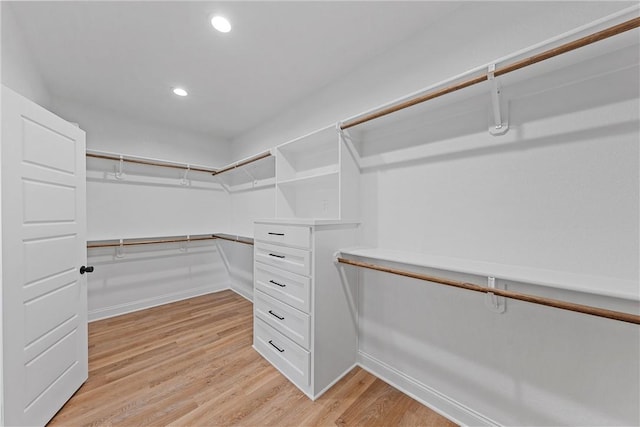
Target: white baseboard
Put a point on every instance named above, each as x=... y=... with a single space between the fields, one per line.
x=440 y=403
x=324 y=390
x=243 y=294
x=117 y=310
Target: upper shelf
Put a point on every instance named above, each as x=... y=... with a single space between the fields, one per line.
x=592 y=40
x=122 y=166
x=313 y=154
x=117 y=166
x=248 y=173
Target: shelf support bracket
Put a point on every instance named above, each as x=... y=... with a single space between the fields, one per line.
x=492 y=301
x=119 y=174
x=224 y=187
x=185 y=177
x=251 y=177
x=500 y=124
x=347 y=139
x=184 y=247
x=120 y=249
x=353 y=308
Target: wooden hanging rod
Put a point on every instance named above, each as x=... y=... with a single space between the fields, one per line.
x=115 y=244
x=242 y=163
x=567 y=47
x=148 y=242
x=233 y=238
x=151 y=163
x=549 y=302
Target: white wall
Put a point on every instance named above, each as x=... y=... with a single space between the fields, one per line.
x=138 y=206
x=149 y=202
x=559 y=192
x=19 y=69
x=112 y=131
x=472 y=35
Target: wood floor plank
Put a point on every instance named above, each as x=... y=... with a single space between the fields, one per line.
x=191 y=363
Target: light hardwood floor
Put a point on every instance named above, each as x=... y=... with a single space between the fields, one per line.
x=191 y=363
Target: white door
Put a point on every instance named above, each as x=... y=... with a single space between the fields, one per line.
x=44 y=300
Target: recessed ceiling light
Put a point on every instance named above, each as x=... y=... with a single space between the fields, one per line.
x=180 y=92
x=221 y=24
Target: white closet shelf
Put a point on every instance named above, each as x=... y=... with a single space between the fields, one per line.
x=616 y=287
x=319 y=178
x=551 y=55
x=244 y=162
x=148 y=161
x=133 y=241
x=234 y=238
x=250 y=173
x=318 y=171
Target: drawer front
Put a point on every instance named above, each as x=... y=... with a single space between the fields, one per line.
x=291 y=322
x=290 y=259
x=291 y=359
x=290 y=288
x=289 y=235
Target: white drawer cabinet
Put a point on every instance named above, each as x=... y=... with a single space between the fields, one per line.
x=281 y=234
x=284 y=354
x=290 y=288
x=286 y=258
x=304 y=318
x=286 y=319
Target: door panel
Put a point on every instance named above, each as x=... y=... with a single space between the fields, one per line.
x=44 y=258
x=58 y=152
x=44 y=301
x=46 y=202
x=48 y=311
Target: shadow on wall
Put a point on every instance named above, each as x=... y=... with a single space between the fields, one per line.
x=528 y=366
x=540 y=110
x=150 y=275
x=238 y=259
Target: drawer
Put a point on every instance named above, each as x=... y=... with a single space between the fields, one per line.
x=289 y=235
x=290 y=259
x=288 y=357
x=291 y=288
x=291 y=322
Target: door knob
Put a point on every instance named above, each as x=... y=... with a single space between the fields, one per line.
x=84 y=269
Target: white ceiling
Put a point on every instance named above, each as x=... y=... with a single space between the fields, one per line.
x=127 y=55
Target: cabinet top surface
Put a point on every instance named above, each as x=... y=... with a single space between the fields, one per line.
x=305 y=221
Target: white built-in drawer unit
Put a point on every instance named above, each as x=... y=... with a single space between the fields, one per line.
x=291 y=359
x=290 y=259
x=289 y=235
x=304 y=323
x=290 y=321
x=289 y=288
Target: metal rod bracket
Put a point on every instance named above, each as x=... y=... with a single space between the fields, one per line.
x=185 y=177
x=500 y=124
x=119 y=173
x=344 y=133
x=492 y=301
x=184 y=247
x=120 y=249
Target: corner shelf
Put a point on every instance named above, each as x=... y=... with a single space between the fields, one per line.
x=107 y=167
x=316 y=177
x=253 y=172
